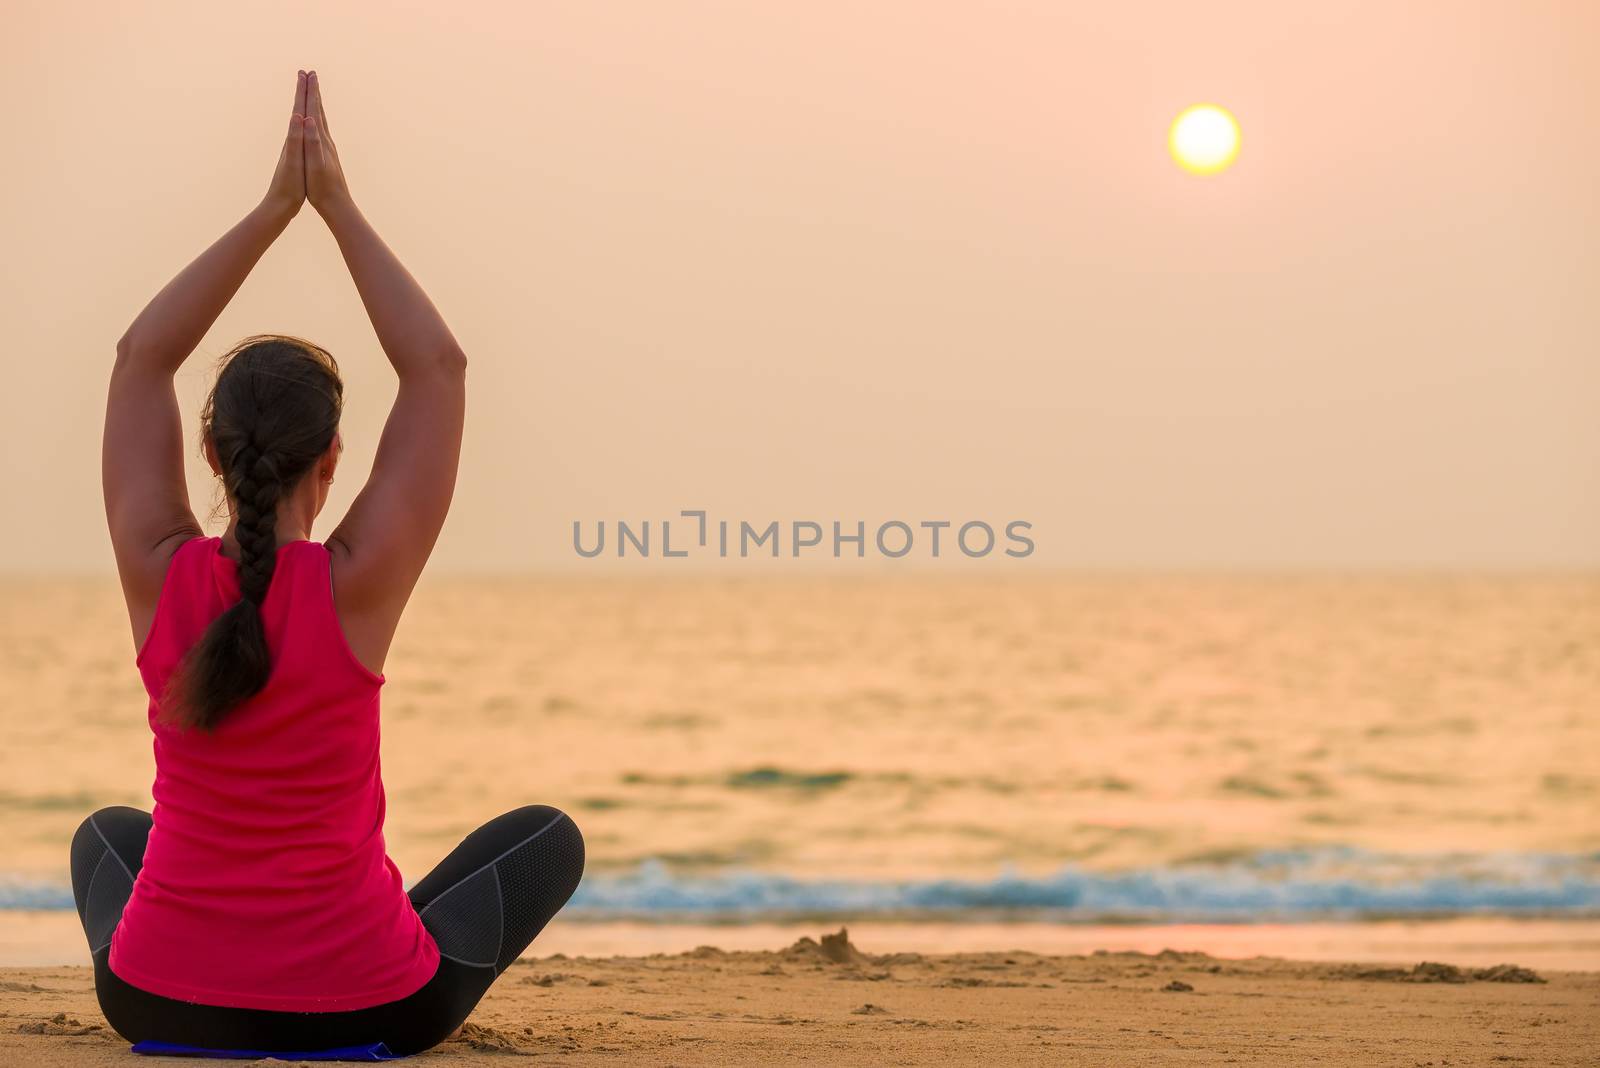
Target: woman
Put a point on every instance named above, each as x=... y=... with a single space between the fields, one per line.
x=256 y=908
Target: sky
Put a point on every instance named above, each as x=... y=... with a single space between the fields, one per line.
x=881 y=261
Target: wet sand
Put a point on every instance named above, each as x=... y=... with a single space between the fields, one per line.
x=31 y=939
x=829 y=1001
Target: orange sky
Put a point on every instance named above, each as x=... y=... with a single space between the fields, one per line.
x=868 y=261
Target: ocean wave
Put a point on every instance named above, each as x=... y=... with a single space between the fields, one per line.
x=1269 y=885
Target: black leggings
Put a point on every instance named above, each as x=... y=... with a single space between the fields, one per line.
x=483 y=904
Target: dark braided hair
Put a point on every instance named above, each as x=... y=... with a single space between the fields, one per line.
x=273 y=412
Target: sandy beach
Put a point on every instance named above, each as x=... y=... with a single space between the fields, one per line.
x=829 y=1000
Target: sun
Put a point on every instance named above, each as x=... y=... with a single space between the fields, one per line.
x=1204 y=139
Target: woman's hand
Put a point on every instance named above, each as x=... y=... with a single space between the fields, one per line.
x=325 y=186
x=288 y=189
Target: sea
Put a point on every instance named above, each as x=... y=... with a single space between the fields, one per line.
x=1060 y=760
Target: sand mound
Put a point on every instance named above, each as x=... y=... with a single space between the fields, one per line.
x=1434 y=972
x=552 y=978
x=59 y=1024
x=1507 y=973
x=488 y=1039
x=833 y=949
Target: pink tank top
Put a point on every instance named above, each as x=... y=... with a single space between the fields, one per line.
x=266 y=884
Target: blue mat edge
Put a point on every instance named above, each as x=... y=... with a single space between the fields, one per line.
x=375 y=1052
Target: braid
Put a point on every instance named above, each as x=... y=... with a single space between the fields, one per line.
x=256 y=488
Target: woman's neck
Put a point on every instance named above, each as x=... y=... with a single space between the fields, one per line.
x=297 y=510
x=286 y=531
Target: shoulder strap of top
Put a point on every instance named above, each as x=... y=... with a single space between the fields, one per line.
x=188 y=570
x=318 y=571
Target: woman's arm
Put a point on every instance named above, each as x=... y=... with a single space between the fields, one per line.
x=147 y=499
x=383 y=542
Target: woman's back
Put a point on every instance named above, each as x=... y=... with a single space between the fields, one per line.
x=266 y=883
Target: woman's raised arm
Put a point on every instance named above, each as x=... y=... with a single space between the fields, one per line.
x=147 y=500
x=383 y=542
